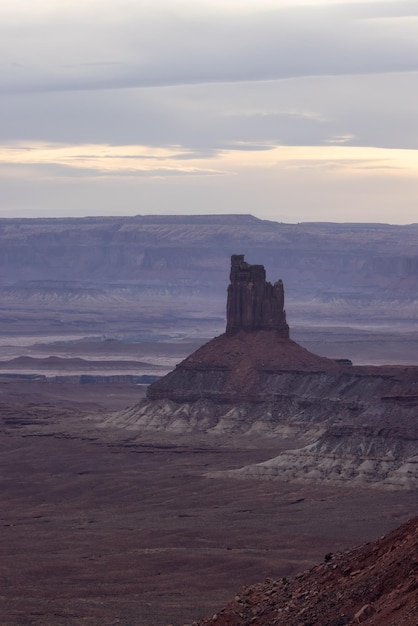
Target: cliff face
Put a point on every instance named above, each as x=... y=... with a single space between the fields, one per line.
x=238 y=367
x=230 y=368
x=346 y=273
x=348 y=262
x=253 y=303
x=353 y=423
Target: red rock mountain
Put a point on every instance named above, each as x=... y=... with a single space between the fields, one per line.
x=375 y=584
x=228 y=368
x=253 y=303
x=355 y=424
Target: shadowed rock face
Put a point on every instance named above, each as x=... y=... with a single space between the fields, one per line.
x=253 y=303
x=230 y=368
x=354 y=424
x=238 y=367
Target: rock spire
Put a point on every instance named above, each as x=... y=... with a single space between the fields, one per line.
x=253 y=303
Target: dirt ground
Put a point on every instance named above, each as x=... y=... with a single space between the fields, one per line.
x=98 y=529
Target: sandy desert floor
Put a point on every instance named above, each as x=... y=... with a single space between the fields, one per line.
x=98 y=528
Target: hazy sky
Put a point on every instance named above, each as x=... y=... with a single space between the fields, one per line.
x=289 y=110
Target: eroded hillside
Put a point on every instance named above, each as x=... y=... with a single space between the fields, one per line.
x=375 y=584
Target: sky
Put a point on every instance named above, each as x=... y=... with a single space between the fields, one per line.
x=291 y=110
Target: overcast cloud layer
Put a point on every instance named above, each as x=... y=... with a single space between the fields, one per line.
x=287 y=110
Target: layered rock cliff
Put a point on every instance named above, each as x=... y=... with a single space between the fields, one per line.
x=351 y=271
x=253 y=303
x=231 y=368
x=351 y=423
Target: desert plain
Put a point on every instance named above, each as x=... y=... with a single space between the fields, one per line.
x=103 y=525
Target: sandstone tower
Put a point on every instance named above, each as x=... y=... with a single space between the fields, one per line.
x=235 y=366
x=253 y=303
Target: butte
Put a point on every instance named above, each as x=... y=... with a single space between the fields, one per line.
x=328 y=420
x=232 y=368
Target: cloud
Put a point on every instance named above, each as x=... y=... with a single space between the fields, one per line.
x=87 y=72
x=376 y=110
x=247 y=147
x=91 y=161
x=177 y=105
x=53 y=162
x=295 y=187
x=89 y=46
x=340 y=139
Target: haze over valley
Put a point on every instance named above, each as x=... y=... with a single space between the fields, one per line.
x=250 y=461
x=73 y=284
x=209 y=313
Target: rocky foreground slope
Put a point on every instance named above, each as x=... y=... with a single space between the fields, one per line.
x=356 y=424
x=375 y=584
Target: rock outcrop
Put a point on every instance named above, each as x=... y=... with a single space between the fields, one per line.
x=230 y=368
x=238 y=367
x=354 y=455
x=350 y=423
x=253 y=303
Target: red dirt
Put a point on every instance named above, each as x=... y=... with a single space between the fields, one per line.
x=266 y=349
x=375 y=584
